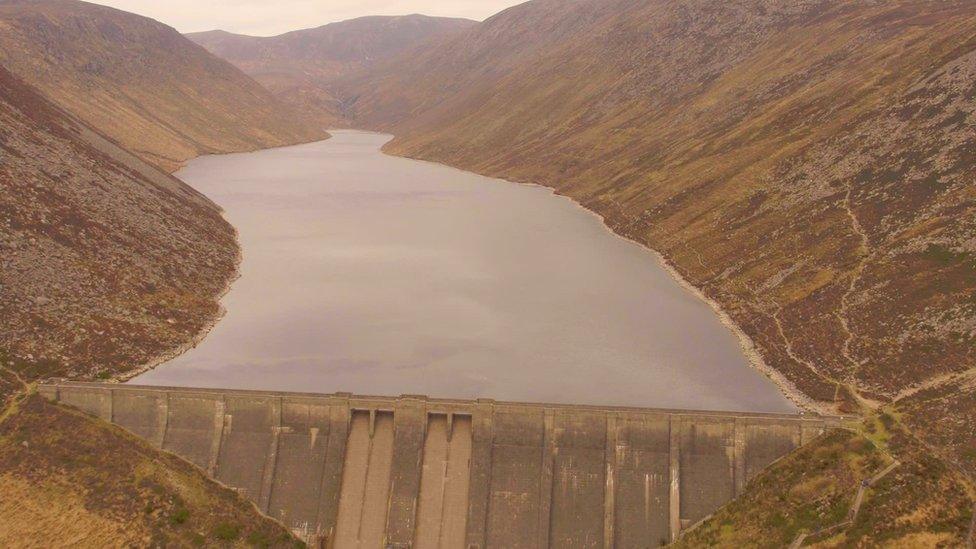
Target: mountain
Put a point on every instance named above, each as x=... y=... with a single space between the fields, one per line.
x=142 y=83
x=300 y=66
x=106 y=262
x=808 y=165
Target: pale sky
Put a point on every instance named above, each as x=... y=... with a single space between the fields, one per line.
x=269 y=17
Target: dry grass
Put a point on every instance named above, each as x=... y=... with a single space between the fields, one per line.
x=921 y=503
x=71 y=480
x=142 y=83
x=48 y=513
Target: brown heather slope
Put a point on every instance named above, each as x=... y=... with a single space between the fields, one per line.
x=70 y=480
x=300 y=66
x=142 y=83
x=105 y=262
x=918 y=503
x=108 y=263
x=808 y=164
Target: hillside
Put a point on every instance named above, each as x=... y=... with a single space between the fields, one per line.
x=107 y=263
x=300 y=66
x=809 y=165
x=69 y=480
x=141 y=83
x=916 y=502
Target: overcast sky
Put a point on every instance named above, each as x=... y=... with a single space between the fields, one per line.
x=269 y=17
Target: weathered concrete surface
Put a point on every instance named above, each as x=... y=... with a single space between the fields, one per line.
x=366 y=473
x=374 y=472
x=444 y=482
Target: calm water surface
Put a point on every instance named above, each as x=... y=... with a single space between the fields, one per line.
x=380 y=275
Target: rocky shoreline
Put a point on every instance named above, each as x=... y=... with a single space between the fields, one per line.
x=204 y=331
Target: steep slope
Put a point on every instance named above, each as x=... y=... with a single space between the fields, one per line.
x=70 y=480
x=300 y=66
x=917 y=502
x=106 y=263
x=809 y=165
x=142 y=83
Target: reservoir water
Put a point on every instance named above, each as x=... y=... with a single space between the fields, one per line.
x=380 y=275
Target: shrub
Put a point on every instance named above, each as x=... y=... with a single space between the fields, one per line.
x=258 y=539
x=180 y=516
x=227 y=531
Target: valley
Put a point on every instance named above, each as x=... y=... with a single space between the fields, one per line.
x=806 y=166
x=301 y=67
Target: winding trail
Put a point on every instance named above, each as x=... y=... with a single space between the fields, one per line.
x=789 y=344
x=843 y=312
x=17 y=397
x=17 y=377
x=934 y=382
x=855 y=508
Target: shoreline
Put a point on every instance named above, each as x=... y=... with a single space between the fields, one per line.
x=746 y=344
x=180 y=164
x=748 y=347
x=204 y=330
x=211 y=323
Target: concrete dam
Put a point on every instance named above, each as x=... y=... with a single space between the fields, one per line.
x=415 y=472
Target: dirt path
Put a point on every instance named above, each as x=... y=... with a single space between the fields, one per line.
x=934 y=382
x=17 y=377
x=843 y=314
x=17 y=397
x=855 y=505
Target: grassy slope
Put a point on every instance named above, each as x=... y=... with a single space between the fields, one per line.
x=71 y=480
x=107 y=263
x=920 y=503
x=142 y=83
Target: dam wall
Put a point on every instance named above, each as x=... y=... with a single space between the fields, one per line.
x=414 y=472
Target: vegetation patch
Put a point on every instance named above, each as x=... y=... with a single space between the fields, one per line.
x=919 y=503
x=87 y=482
x=227 y=531
x=943 y=255
x=806 y=491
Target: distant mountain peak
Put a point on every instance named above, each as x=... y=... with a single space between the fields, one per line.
x=300 y=66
